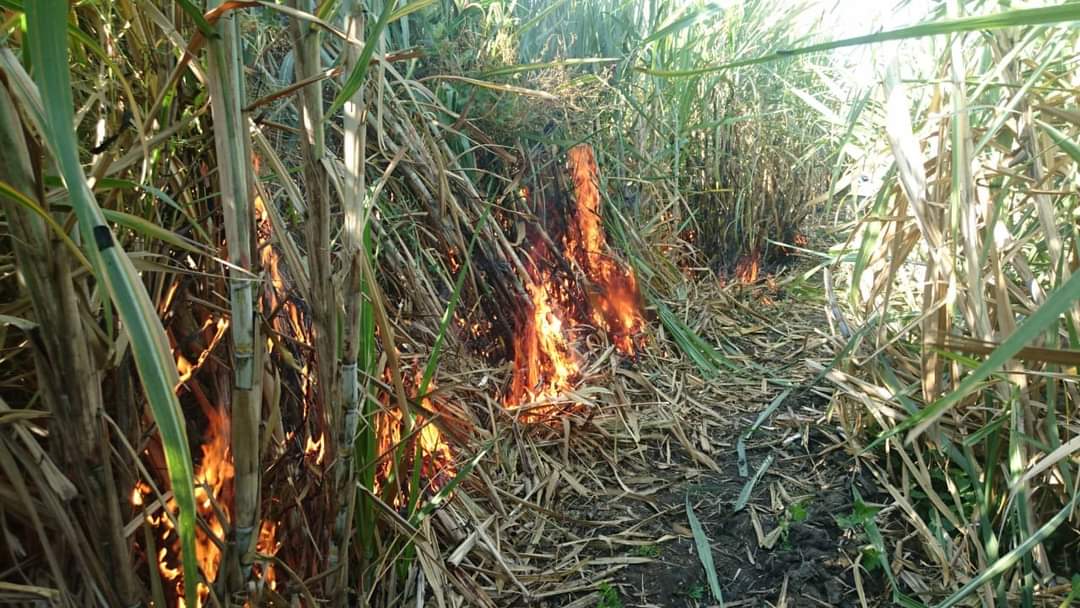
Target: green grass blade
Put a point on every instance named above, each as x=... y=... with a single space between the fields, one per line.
x=748 y=487
x=444 y=493
x=704 y=551
x=704 y=355
x=683 y=22
x=531 y=23
x=864 y=515
x=1074 y=594
x=326 y=8
x=740 y=444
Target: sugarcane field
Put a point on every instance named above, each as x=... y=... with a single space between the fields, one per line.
x=540 y=303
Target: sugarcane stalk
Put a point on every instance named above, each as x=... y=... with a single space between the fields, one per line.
x=46 y=272
x=306 y=41
x=233 y=146
x=324 y=304
x=356 y=206
x=46 y=268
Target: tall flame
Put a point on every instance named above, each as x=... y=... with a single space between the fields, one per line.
x=614 y=296
x=545 y=361
x=214 y=475
x=216 y=471
x=213 y=489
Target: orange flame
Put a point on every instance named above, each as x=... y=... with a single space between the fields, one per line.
x=294 y=324
x=437 y=462
x=216 y=471
x=614 y=296
x=267 y=544
x=746 y=269
x=213 y=483
x=545 y=361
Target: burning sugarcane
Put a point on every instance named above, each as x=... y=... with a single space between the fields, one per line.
x=573 y=282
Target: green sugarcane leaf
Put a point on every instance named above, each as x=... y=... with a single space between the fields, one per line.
x=7 y=190
x=1058 y=302
x=149 y=229
x=47 y=26
x=1063 y=13
x=1009 y=559
x=200 y=20
x=451 y=307
x=359 y=72
x=410 y=8
x=1067 y=144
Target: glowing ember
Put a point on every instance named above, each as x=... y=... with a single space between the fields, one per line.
x=170 y=574
x=139 y=492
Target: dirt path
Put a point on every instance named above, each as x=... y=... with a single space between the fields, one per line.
x=785 y=548
x=789 y=545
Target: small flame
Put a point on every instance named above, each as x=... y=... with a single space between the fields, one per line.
x=746 y=269
x=267 y=544
x=295 y=324
x=315 y=449
x=437 y=462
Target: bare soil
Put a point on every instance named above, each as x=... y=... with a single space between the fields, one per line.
x=809 y=564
